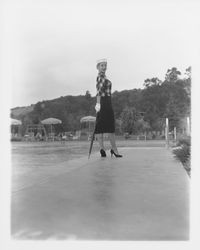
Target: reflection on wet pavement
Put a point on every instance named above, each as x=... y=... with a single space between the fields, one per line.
x=143 y=196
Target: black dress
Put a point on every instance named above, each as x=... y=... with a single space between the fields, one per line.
x=105 y=121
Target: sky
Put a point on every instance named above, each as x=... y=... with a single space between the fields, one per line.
x=54 y=45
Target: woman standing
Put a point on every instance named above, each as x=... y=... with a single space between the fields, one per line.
x=105 y=122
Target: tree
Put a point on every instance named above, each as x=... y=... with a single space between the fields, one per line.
x=172 y=75
x=128 y=118
x=153 y=81
x=187 y=80
x=153 y=103
x=188 y=72
x=87 y=95
x=141 y=126
x=178 y=104
x=157 y=100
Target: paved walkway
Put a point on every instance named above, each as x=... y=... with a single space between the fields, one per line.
x=143 y=196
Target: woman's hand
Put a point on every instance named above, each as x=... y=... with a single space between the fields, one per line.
x=97 y=107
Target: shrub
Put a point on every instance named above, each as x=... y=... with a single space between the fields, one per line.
x=184 y=141
x=182 y=153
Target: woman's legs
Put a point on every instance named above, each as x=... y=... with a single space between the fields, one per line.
x=100 y=140
x=112 y=142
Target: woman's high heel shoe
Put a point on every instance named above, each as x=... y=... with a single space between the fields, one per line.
x=113 y=153
x=103 y=153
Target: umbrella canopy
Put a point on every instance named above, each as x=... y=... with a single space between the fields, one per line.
x=50 y=121
x=15 y=122
x=88 y=119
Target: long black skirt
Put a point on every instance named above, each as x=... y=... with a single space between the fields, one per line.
x=105 y=121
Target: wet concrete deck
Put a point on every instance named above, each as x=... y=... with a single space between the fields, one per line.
x=143 y=196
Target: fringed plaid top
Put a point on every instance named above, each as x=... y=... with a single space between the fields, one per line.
x=103 y=86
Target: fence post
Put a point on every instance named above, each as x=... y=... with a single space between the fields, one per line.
x=175 y=134
x=188 y=125
x=167 y=133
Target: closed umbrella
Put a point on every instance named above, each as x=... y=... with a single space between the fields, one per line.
x=92 y=138
x=91 y=143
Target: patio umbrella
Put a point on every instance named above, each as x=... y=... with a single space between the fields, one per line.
x=89 y=119
x=15 y=122
x=51 y=121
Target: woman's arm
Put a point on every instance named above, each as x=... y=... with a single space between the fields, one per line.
x=99 y=90
x=98 y=99
x=98 y=105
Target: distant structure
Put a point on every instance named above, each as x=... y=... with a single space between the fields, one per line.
x=35 y=131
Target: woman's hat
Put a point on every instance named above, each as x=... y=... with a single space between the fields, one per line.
x=101 y=61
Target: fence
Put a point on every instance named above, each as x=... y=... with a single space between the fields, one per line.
x=173 y=135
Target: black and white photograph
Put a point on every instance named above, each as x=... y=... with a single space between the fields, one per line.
x=99 y=119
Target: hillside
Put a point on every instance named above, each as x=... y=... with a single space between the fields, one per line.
x=21 y=111
x=136 y=110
